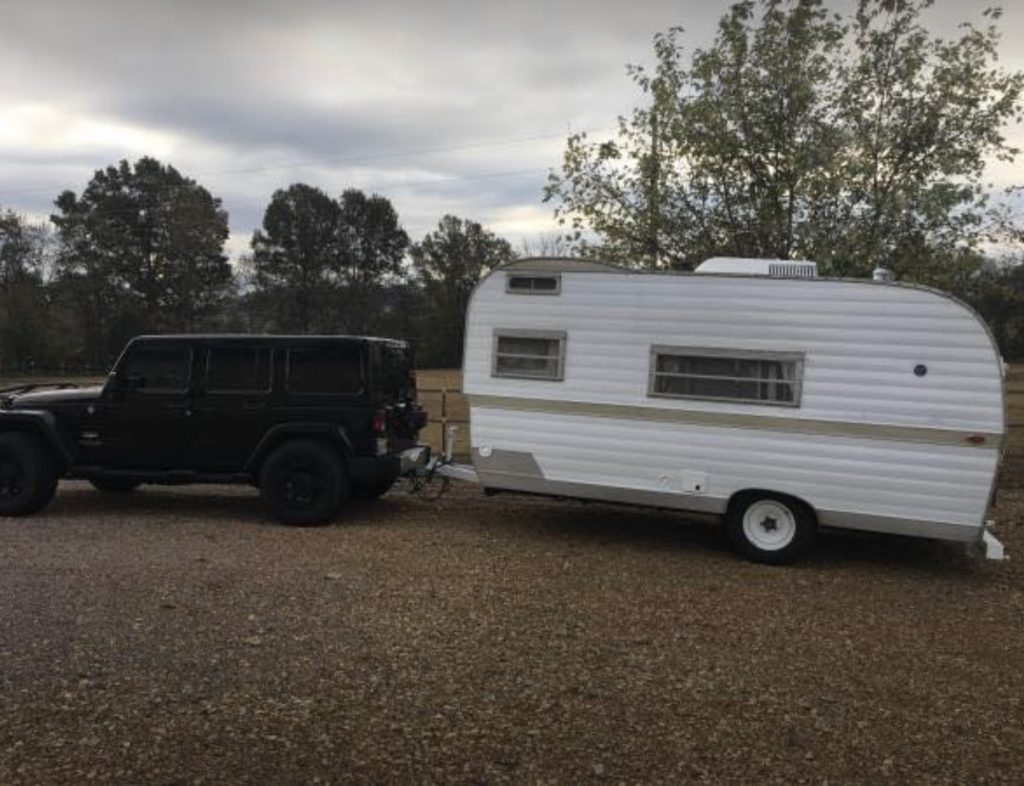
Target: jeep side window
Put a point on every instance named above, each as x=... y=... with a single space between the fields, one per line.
x=157 y=369
x=237 y=370
x=326 y=370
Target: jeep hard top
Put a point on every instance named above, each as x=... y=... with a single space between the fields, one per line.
x=310 y=420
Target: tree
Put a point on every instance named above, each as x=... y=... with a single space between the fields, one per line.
x=449 y=262
x=319 y=264
x=798 y=133
x=23 y=307
x=996 y=291
x=141 y=250
x=373 y=246
x=546 y=244
x=295 y=258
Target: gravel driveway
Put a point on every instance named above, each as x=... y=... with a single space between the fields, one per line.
x=176 y=636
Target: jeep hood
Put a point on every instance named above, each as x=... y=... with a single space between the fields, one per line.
x=43 y=399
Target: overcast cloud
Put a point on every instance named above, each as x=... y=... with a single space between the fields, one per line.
x=445 y=106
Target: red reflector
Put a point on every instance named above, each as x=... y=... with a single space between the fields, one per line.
x=975 y=439
x=380 y=422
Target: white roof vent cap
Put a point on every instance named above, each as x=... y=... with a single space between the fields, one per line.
x=775 y=268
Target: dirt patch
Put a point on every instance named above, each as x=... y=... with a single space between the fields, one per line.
x=176 y=636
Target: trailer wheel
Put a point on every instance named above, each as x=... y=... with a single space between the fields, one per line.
x=28 y=475
x=304 y=483
x=770 y=528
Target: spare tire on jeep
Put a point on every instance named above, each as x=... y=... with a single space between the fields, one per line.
x=304 y=482
x=28 y=474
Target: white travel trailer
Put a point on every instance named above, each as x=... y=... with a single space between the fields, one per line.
x=750 y=389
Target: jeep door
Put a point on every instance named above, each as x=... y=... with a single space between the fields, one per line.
x=233 y=405
x=146 y=420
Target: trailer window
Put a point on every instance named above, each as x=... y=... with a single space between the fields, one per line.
x=529 y=354
x=523 y=284
x=725 y=375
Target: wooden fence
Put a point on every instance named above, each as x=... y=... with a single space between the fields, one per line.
x=1015 y=409
x=445 y=406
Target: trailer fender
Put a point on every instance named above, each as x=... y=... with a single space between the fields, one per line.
x=738 y=496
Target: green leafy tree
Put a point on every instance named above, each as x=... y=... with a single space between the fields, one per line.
x=996 y=290
x=24 y=323
x=373 y=245
x=319 y=264
x=295 y=259
x=854 y=141
x=141 y=250
x=448 y=263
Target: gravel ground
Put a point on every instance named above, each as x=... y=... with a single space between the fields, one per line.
x=176 y=636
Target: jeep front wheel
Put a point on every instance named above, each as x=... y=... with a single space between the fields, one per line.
x=28 y=475
x=304 y=483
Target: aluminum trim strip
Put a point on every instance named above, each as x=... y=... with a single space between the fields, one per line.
x=935 y=436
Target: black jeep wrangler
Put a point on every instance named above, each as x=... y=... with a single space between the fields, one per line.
x=311 y=420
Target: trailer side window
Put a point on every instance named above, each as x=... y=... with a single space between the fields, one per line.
x=726 y=375
x=533 y=284
x=529 y=354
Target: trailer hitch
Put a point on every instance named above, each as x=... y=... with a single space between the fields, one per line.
x=422 y=470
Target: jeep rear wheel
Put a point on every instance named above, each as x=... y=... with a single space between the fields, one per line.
x=28 y=475
x=304 y=483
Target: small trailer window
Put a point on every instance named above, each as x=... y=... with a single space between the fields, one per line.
x=726 y=375
x=529 y=354
x=533 y=284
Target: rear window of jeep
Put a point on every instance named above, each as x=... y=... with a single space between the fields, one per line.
x=326 y=370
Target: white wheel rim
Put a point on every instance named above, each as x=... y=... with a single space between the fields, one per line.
x=769 y=525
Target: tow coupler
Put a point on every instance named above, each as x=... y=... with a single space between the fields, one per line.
x=422 y=469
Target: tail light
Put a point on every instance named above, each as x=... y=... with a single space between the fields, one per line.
x=380 y=431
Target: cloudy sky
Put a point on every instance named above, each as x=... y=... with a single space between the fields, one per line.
x=442 y=106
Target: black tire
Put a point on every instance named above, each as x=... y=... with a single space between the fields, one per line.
x=375 y=488
x=304 y=483
x=770 y=528
x=114 y=485
x=28 y=474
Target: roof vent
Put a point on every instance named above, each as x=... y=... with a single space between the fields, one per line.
x=775 y=268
